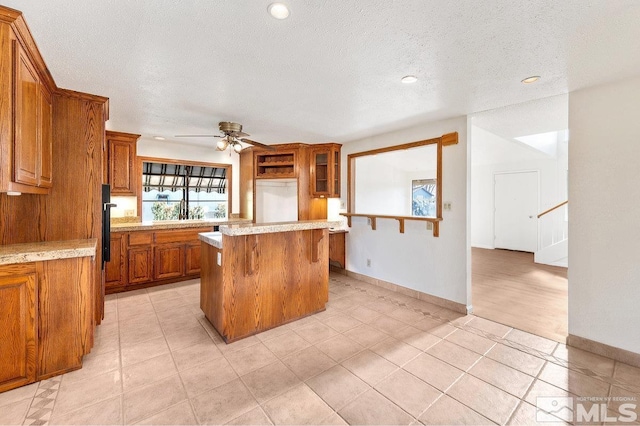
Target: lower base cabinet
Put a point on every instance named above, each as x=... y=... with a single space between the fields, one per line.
x=169 y=261
x=192 y=255
x=337 y=251
x=17 y=325
x=152 y=258
x=46 y=319
x=140 y=265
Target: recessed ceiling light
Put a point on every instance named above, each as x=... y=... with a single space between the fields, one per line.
x=531 y=79
x=278 y=10
x=159 y=138
x=408 y=79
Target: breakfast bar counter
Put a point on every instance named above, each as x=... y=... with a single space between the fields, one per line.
x=258 y=276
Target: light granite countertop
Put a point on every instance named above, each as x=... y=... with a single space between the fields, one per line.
x=51 y=250
x=215 y=238
x=267 y=228
x=212 y=238
x=174 y=224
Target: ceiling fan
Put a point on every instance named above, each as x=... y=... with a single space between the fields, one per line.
x=232 y=135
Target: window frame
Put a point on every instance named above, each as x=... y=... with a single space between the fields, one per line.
x=228 y=173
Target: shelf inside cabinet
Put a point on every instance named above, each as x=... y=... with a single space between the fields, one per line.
x=275 y=165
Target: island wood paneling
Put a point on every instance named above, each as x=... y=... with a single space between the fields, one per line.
x=265 y=280
x=65 y=317
x=211 y=285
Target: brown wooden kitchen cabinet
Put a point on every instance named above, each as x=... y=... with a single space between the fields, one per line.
x=276 y=165
x=47 y=318
x=337 y=249
x=17 y=325
x=169 y=261
x=121 y=165
x=140 y=265
x=115 y=271
x=192 y=255
x=26 y=152
x=45 y=173
x=147 y=258
x=325 y=171
x=316 y=168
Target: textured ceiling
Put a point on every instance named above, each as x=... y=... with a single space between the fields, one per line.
x=527 y=118
x=331 y=72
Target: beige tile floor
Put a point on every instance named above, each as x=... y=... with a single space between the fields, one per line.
x=373 y=357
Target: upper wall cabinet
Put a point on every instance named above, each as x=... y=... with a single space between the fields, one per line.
x=325 y=171
x=120 y=167
x=276 y=165
x=26 y=113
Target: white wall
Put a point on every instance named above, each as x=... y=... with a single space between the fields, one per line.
x=512 y=157
x=207 y=154
x=415 y=259
x=604 y=215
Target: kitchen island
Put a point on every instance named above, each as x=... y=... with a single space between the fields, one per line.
x=258 y=276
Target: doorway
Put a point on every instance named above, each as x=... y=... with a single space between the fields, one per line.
x=518 y=168
x=515 y=208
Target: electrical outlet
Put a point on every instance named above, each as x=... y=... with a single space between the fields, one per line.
x=129 y=212
x=447 y=205
x=343 y=205
x=369 y=221
x=429 y=226
x=369 y=262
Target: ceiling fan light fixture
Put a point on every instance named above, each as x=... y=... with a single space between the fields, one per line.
x=222 y=144
x=237 y=147
x=278 y=10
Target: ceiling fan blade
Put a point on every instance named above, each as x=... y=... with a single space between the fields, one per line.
x=254 y=143
x=241 y=134
x=198 y=136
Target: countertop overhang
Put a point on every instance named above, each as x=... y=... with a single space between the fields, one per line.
x=174 y=224
x=215 y=238
x=267 y=228
x=49 y=250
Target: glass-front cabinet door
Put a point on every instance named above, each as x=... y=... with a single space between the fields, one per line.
x=325 y=171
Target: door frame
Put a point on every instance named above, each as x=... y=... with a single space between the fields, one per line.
x=537 y=172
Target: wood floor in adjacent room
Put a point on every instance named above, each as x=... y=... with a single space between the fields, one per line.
x=509 y=288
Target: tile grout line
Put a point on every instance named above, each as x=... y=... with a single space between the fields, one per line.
x=509 y=343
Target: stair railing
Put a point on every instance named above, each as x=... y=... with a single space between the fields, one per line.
x=553 y=227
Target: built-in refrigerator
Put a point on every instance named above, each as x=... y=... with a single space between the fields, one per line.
x=276 y=200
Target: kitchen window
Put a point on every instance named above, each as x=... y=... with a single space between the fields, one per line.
x=184 y=190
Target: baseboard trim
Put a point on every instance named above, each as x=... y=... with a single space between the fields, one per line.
x=439 y=301
x=618 y=354
x=482 y=246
